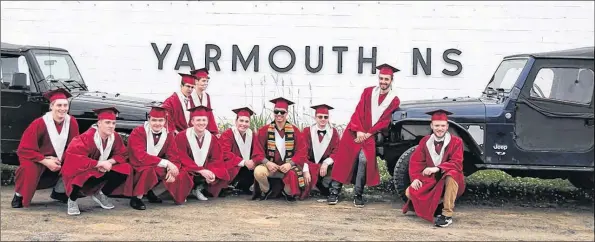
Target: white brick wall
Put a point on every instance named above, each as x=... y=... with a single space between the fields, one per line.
x=111 y=43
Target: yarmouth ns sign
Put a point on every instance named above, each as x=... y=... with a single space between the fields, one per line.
x=213 y=53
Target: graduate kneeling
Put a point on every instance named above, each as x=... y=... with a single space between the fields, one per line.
x=96 y=162
x=203 y=169
x=241 y=150
x=153 y=155
x=436 y=170
x=40 y=151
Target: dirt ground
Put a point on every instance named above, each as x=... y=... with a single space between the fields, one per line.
x=238 y=218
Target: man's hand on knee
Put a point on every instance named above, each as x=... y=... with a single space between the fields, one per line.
x=272 y=167
x=416 y=184
x=285 y=167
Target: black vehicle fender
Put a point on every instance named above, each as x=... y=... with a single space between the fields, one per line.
x=468 y=140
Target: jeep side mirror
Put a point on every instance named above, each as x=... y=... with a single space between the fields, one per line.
x=35 y=97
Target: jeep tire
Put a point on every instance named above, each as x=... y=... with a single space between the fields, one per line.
x=401 y=173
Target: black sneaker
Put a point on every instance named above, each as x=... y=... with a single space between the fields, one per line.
x=288 y=197
x=358 y=201
x=153 y=198
x=443 y=221
x=265 y=195
x=332 y=199
x=17 y=202
x=137 y=204
x=59 y=196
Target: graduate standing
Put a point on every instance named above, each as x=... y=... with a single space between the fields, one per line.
x=202 y=98
x=356 y=159
x=178 y=104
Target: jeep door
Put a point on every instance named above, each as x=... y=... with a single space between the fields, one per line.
x=554 y=114
x=21 y=103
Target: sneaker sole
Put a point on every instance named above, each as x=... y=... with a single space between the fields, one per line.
x=445 y=225
x=100 y=204
x=69 y=213
x=357 y=206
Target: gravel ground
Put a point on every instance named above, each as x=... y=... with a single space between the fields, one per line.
x=238 y=218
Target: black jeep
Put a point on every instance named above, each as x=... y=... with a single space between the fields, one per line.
x=534 y=119
x=29 y=71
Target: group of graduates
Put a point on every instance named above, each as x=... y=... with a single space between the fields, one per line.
x=180 y=149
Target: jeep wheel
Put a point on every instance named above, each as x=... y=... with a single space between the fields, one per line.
x=401 y=173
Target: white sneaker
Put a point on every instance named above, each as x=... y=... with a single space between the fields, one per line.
x=73 y=208
x=199 y=194
x=102 y=200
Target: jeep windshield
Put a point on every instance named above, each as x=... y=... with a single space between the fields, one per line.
x=58 y=68
x=505 y=76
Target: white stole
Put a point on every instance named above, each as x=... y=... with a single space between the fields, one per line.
x=152 y=148
x=378 y=109
x=204 y=102
x=199 y=154
x=58 y=140
x=184 y=107
x=108 y=148
x=280 y=144
x=319 y=147
x=437 y=158
x=244 y=146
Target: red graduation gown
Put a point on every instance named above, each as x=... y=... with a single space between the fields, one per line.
x=35 y=145
x=313 y=165
x=232 y=155
x=361 y=120
x=299 y=158
x=146 y=172
x=212 y=125
x=81 y=158
x=214 y=163
x=426 y=199
x=176 y=121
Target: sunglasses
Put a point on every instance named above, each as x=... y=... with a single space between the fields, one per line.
x=279 y=112
x=322 y=116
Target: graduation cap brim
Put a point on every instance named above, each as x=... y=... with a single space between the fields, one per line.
x=238 y=110
x=322 y=105
x=100 y=110
x=438 y=111
x=205 y=70
x=187 y=75
x=49 y=94
x=198 y=108
x=281 y=99
x=383 y=66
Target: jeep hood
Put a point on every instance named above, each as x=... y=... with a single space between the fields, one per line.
x=464 y=109
x=131 y=108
